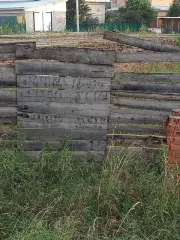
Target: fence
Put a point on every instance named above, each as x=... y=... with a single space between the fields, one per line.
x=74 y=92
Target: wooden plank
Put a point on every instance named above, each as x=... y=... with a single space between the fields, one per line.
x=146 y=57
x=35 y=120
x=140 y=43
x=156 y=96
x=149 y=105
x=76 y=83
x=55 y=134
x=88 y=110
x=171 y=78
x=98 y=156
x=126 y=115
x=7 y=76
x=8 y=112
x=67 y=54
x=11 y=46
x=7 y=56
x=64 y=69
x=73 y=145
x=8 y=120
x=8 y=96
x=62 y=96
x=146 y=138
x=145 y=87
x=125 y=128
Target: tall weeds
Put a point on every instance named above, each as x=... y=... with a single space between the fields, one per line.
x=59 y=198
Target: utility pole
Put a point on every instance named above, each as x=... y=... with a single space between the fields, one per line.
x=77 y=15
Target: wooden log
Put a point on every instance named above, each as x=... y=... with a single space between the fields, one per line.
x=76 y=83
x=97 y=156
x=62 y=96
x=125 y=128
x=8 y=112
x=64 y=69
x=35 y=120
x=73 y=145
x=126 y=115
x=143 y=87
x=168 y=78
x=8 y=96
x=7 y=134
x=55 y=134
x=8 y=143
x=158 y=96
x=11 y=46
x=67 y=54
x=7 y=76
x=140 y=43
x=146 y=57
x=88 y=110
x=149 y=105
x=8 y=120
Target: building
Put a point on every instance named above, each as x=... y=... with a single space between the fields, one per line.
x=38 y=15
x=97 y=8
x=170 y=24
x=161 y=7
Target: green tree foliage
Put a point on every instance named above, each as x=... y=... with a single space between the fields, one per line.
x=135 y=11
x=174 y=10
x=84 y=12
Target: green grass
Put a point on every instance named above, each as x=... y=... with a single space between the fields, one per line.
x=56 y=198
x=159 y=68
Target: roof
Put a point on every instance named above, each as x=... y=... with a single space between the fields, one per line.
x=22 y=5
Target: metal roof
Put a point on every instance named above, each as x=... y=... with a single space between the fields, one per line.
x=22 y=5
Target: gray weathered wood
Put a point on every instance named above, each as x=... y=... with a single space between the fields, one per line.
x=62 y=96
x=7 y=134
x=140 y=43
x=98 y=110
x=149 y=105
x=73 y=145
x=145 y=87
x=8 y=96
x=123 y=128
x=156 y=96
x=55 y=134
x=76 y=83
x=8 y=120
x=35 y=120
x=64 y=69
x=98 y=156
x=11 y=46
x=7 y=76
x=67 y=54
x=8 y=112
x=146 y=57
x=126 y=115
x=169 y=78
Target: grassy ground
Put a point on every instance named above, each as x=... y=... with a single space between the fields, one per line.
x=56 y=198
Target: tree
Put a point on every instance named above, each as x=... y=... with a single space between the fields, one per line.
x=174 y=10
x=135 y=11
x=84 y=12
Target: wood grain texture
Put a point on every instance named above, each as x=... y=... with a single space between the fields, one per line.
x=156 y=96
x=67 y=54
x=95 y=110
x=8 y=120
x=169 y=78
x=35 y=120
x=127 y=115
x=140 y=43
x=164 y=106
x=56 y=134
x=69 y=83
x=64 y=69
x=7 y=76
x=146 y=57
x=145 y=87
x=62 y=96
x=8 y=96
x=123 y=128
x=8 y=112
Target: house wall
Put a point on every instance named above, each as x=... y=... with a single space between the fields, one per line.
x=97 y=10
x=58 y=15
